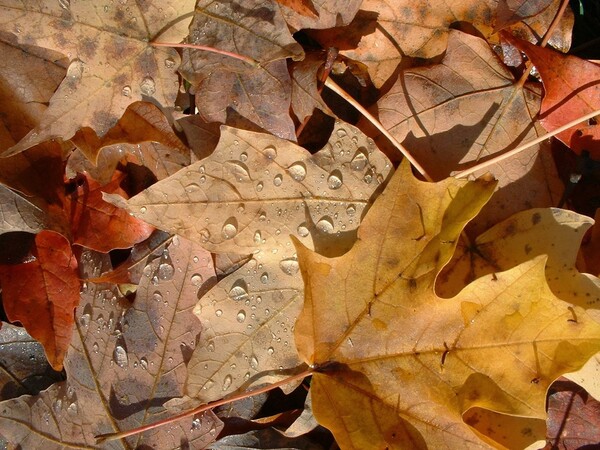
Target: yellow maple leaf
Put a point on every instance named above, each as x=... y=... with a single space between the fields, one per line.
x=398 y=366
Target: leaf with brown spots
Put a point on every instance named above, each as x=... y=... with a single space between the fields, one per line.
x=111 y=65
x=397 y=366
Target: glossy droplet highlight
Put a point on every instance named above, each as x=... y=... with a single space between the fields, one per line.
x=241 y=316
x=239 y=291
x=120 y=356
x=351 y=210
x=219 y=312
x=147 y=86
x=270 y=152
x=303 y=230
x=297 y=171
x=359 y=160
x=325 y=224
x=254 y=362
x=126 y=91
x=165 y=271
x=238 y=169
x=278 y=180
x=227 y=382
x=143 y=210
x=264 y=278
x=289 y=266
x=169 y=63
x=196 y=279
x=204 y=235
x=257 y=237
x=230 y=228
x=335 y=180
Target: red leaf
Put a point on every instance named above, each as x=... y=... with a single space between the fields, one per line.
x=572 y=88
x=43 y=293
x=99 y=225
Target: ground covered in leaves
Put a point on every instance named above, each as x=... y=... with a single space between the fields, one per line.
x=200 y=199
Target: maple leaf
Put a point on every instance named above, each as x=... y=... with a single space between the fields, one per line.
x=42 y=294
x=465 y=109
x=111 y=62
x=571 y=91
x=124 y=362
x=397 y=366
x=248 y=197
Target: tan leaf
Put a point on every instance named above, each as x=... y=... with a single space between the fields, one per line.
x=19 y=214
x=465 y=109
x=397 y=366
x=329 y=13
x=305 y=93
x=124 y=363
x=111 y=62
x=248 y=197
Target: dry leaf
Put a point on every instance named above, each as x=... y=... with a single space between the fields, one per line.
x=465 y=109
x=305 y=94
x=42 y=294
x=111 y=62
x=329 y=13
x=19 y=214
x=124 y=363
x=399 y=365
x=248 y=197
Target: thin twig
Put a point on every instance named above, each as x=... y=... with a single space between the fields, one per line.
x=123 y=434
x=525 y=146
x=339 y=91
x=244 y=58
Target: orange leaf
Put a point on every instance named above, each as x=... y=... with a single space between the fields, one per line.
x=572 y=88
x=99 y=225
x=43 y=293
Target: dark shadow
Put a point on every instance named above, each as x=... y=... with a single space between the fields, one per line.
x=121 y=412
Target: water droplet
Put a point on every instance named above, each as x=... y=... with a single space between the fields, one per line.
x=72 y=409
x=147 y=86
x=257 y=237
x=325 y=225
x=254 y=362
x=165 y=271
x=196 y=279
x=241 y=316
x=238 y=169
x=335 y=180
x=289 y=266
x=360 y=159
x=210 y=346
x=351 y=209
x=278 y=180
x=264 y=278
x=196 y=424
x=227 y=382
x=297 y=171
x=84 y=320
x=57 y=406
x=95 y=347
x=368 y=178
x=243 y=156
x=204 y=234
x=270 y=350
x=144 y=363
x=270 y=152
x=195 y=259
x=157 y=296
x=169 y=63
x=259 y=186
x=143 y=210
x=262 y=216
x=219 y=312
x=126 y=91
x=193 y=187
x=75 y=70
x=230 y=228
x=341 y=133
x=120 y=356
x=239 y=291
x=303 y=230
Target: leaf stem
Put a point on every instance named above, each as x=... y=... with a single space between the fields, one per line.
x=192 y=412
x=525 y=146
x=339 y=91
x=243 y=58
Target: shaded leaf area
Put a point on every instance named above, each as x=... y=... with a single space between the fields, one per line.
x=42 y=293
x=572 y=90
x=124 y=362
x=372 y=316
x=110 y=62
x=572 y=417
x=248 y=197
x=451 y=115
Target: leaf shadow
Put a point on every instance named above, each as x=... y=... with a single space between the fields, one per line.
x=121 y=411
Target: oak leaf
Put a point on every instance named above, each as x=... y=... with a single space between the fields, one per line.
x=397 y=366
x=571 y=90
x=248 y=197
x=111 y=61
x=124 y=362
x=42 y=294
x=19 y=214
x=466 y=109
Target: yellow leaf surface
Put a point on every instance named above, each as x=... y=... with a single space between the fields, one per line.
x=397 y=365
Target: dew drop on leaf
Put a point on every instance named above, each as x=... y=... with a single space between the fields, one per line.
x=227 y=382
x=325 y=224
x=270 y=152
x=169 y=63
x=147 y=86
x=72 y=409
x=95 y=347
x=351 y=209
x=120 y=356
x=259 y=186
x=165 y=271
x=196 y=279
x=239 y=291
x=204 y=235
x=241 y=316
x=254 y=362
x=257 y=237
x=289 y=266
x=341 y=133
x=126 y=91
x=196 y=424
x=157 y=296
x=359 y=160
x=243 y=156
x=335 y=180
x=297 y=171
x=278 y=180
x=219 y=312
x=229 y=229
x=270 y=350
x=238 y=169
x=143 y=210
x=303 y=230
x=144 y=363
x=264 y=278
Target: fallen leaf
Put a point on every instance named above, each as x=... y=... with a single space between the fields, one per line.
x=305 y=93
x=588 y=377
x=18 y=375
x=123 y=363
x=464 y=110
x=571 y=90
x=513 y=11
x=248 y=197
x=268 y=439
x=554 y=232
x=111 y=63
x=329 y=13
x=42 y=294
x=372 y=322
x=19 y=214
x=302 y=7
x=572 y=417
x=590 y=249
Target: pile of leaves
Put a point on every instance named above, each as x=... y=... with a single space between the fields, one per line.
x=188 y=212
